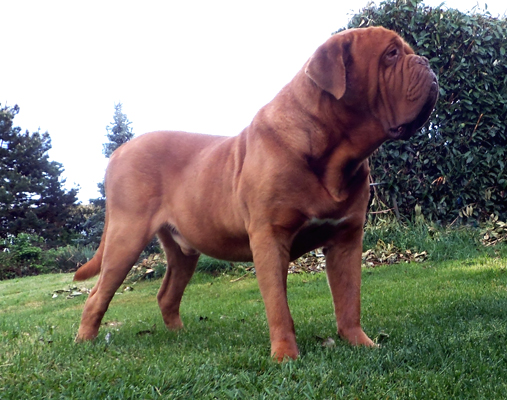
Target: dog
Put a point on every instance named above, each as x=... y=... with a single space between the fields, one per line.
x=297 y=178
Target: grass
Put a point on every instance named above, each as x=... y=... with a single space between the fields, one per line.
x=441 y=243
x=442 y=325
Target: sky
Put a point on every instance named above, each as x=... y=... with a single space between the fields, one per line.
x=195 y=65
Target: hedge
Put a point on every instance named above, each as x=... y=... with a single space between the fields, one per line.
x=456 y=165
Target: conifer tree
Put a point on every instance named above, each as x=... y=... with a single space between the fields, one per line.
x=119 y=131
x=32 y=197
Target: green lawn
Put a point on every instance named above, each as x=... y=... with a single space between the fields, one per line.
x=442 y=326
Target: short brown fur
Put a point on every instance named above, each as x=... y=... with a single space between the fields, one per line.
x=294 y=180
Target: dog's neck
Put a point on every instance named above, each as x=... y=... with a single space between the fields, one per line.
x=341 y=138
x=334 y=123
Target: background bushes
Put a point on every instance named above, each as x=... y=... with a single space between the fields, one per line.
x=455 y=166
x=26 y=254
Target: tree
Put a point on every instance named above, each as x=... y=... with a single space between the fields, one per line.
x=456 y=166
x=119 y=131
x=32 y=197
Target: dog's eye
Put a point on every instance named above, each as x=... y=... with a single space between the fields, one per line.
x=392 y=55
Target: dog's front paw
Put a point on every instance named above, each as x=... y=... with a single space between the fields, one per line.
x=356 y=337
x=284 y=350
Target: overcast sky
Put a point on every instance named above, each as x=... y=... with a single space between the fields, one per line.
x=198 y=66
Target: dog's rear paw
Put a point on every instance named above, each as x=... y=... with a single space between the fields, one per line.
x=173 y=323
x=84 y=337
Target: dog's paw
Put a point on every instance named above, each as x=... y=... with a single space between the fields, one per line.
x=284 y=351
x=173 y=323
x=356 y=337
x=82 y=337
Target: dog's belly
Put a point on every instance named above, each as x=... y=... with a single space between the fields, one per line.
x=221 y=244
x=236 y=247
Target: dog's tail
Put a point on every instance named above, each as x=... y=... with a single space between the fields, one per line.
x=92 y=267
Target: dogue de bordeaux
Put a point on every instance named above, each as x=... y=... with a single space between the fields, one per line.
x=294 y=180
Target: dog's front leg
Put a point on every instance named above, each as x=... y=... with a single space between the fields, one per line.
x=343 y=268
x=271 y=259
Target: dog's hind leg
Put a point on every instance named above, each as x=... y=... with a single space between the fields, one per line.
x=180 y=268
x=125 y=239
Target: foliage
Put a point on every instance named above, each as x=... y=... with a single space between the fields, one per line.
x=25 y=247
x=213 y=266
x=386 y=240
x=119 y=131
x=93 y=216
x=458 y=161
x=494 y=231
x=22 y=256
x=442 y=327
x=440 y=243
x=26 y=255
x=68 y=258
x=32 y=197
x=152 y=267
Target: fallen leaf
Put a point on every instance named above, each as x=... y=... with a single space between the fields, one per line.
x=112 y=323
x=382 y=337
x=329 y=342
x=147 y=331
x=238 y=279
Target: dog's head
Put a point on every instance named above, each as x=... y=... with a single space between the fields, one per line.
x=375 y=71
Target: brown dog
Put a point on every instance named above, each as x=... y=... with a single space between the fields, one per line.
x=294 y=180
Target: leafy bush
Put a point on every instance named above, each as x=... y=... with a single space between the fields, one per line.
x=494 y=231
x=455 y=243
x=456 y=166
x=92 y=218
x=66 y=259
x=26 y=255
x=213 y=266
x=26 y=248
x=21 y=255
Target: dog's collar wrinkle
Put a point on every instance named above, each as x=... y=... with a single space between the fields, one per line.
x=316 y=222
x=318 y=168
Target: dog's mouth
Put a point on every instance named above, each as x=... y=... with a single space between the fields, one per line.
x=405 y=131
x=398 y=132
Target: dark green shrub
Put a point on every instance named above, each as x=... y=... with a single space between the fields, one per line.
x=26 y=248
x=7 y=269
x=456 y=165
x=68 y=258
x=441 y=243
x=26 y=255
x=213 y=266
x=22 y=255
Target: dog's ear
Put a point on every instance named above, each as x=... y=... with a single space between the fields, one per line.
x=327 y=69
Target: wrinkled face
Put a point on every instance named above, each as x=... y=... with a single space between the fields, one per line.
x=406 y=91
x=374 y=69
